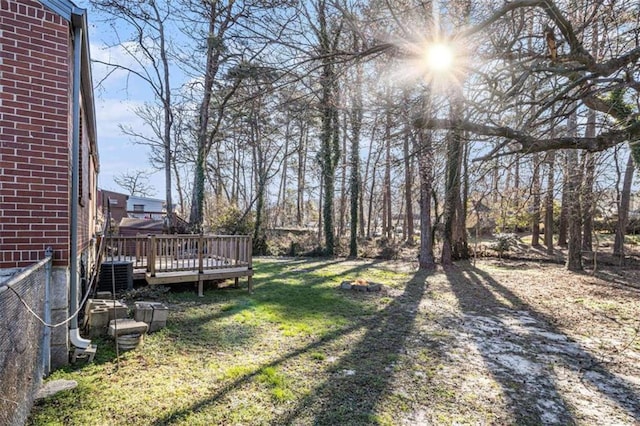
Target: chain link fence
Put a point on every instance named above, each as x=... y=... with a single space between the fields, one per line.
x=23 y=358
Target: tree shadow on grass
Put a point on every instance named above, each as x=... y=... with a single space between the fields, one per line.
x=246 y=378
x=360 y=379
x=209 y=326
x=311 y=268
x=342 y=399
x=518 y=345
x=202 y=322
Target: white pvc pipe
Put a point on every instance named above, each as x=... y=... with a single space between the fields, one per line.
x=74 y=333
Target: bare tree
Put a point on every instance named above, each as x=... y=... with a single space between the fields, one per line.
x=148 y=48
x=135 y=182
x=582 y=79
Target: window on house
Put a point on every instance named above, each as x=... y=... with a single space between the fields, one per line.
x=138 y=208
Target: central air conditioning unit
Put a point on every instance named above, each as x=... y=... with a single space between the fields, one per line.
x=120 y=273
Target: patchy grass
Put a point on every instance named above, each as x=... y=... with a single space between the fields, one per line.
x=488 y=344
x=230 y=357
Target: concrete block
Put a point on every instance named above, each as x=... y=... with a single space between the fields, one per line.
x=55 y=386
x=120 y=327
x=91 y=304
x=59 y=288
x=59 y=335
x=143 y=312
x=59 y=356
x=160 y=314
x=157 y=325
x=104 y=295
x=155 y=314
x=116 y=308
x=98 y=321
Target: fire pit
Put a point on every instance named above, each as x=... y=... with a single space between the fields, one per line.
x=360 y=284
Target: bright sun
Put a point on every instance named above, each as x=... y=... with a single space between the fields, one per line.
x=439 y=57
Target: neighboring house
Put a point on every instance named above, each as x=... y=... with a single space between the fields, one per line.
x=145 y=208
x=114 y=202
x=607 y=204
x=48 y=174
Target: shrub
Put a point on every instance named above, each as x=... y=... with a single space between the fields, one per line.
x=229 y=220
x=504 y=242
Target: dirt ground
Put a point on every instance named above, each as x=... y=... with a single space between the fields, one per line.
x=527 y=342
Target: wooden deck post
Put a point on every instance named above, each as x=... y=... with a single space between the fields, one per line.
x=200 y=266
x=250 y=265
x=200 y=254
x=151 y=256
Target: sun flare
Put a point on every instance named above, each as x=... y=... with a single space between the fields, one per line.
x=439 y=57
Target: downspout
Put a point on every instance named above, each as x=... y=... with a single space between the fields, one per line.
x=74 y=332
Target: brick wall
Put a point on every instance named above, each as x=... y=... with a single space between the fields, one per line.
x=35 y=51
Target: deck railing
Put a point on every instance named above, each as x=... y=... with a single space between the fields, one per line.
x=127 y=249
x=173 y=253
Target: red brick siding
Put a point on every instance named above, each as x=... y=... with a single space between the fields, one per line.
x=35 y=48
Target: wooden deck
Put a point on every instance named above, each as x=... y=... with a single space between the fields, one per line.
x=171 y=259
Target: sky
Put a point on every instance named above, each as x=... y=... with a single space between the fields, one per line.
x=116 y=98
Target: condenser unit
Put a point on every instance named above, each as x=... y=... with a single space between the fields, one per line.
x=119 y=272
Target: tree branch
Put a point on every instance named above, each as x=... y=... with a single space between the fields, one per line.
x=529 y=144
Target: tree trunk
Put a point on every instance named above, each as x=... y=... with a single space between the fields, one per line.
x=320 y=209
x=260 y=177
x=589 y=164
x=372 y=215
x=386 y=182
x=302 y=166
x=354 y=181
x=587 y=201
x=535 y=216
x=168 y=122
x=365 y=178
x=450 y=202
x=574 y=178
x=408 y=190
x=329 y=133
x=495 y=181
x=461 y=225
x=624 y=200
x=197 y=198
x=281 y=203
x=454 y=244
x=426 y=259
x=574 y=255
x=548 y=208
x=343 y=180
x=564 y=207
x=179 y=189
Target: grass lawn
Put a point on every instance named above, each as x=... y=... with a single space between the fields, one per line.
x=500 y=342
x=235 y=358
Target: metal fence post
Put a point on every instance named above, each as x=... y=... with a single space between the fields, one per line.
x=46 y=338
